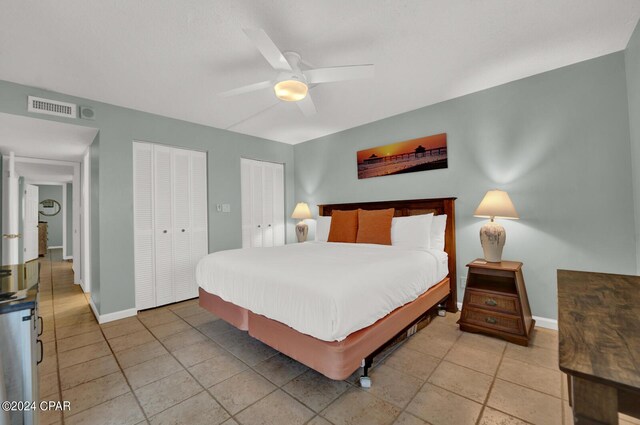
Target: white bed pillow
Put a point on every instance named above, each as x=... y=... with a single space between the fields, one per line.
x=323 y=224
x=413 y=232
x=438 y=227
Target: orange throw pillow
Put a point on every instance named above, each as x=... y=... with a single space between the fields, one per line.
x=375 y=226
x=344 y=226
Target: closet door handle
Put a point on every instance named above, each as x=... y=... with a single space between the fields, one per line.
x=259 y=226
x=183 y=230
x=269 y=225
x=164 y=231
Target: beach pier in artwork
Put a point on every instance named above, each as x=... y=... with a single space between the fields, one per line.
x=426 y=153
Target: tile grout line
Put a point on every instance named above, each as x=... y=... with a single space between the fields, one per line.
x=123 y=375
x=493 y=381
x=55 y=337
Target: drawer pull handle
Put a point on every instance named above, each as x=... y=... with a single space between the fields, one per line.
x=491 y=320
x=490 y=302
x=39 y=342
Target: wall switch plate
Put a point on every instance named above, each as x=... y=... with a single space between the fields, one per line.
x=463 y=281
x=219 y=207
x=226 y=208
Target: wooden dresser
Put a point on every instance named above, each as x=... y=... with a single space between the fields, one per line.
x=599 y=344
x=495 y=301
x=43 y=238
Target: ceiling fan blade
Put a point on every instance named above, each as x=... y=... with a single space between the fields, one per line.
x=269 y=50
x=339 y=73
x=306 y=106
x=246 y=89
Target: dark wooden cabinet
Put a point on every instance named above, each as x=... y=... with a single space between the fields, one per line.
x=43 y=238
x=495 y=301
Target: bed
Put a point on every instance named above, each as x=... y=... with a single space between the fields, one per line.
x=334 y=306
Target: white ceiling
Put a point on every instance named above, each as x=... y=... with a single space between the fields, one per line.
x=36 y=138
x=172 y=57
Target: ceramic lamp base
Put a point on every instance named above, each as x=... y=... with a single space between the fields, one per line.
x=301 y=231
x=492 y=238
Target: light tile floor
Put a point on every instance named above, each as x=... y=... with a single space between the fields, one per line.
x=180 y=365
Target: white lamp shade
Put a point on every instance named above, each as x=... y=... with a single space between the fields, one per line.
x=301 y=211
x=496 y=203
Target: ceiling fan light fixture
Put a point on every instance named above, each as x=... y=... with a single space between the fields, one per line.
x=291 y=90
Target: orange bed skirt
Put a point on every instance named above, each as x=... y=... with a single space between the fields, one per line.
x=337 y=359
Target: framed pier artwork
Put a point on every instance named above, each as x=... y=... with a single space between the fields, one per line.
x=410 y=156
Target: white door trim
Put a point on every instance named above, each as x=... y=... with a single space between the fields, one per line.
x=10 y=210
x=77 y=255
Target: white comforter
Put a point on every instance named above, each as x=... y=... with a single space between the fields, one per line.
x=326 y=290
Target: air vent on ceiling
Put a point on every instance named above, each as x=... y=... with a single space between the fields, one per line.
x=52 y=107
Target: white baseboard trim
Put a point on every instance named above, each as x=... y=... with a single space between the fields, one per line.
x=94 y=309
x=110 y=317
x=54 y=247
x=67 y=257
x=542 y=322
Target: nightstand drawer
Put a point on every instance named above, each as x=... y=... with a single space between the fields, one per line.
x=494 y=302
x=492 y=320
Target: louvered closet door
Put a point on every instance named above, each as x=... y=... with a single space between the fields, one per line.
x=162 y=179
x=199 y=215
x=267 y=204
x=143 y=229
x=182 y=264
x=278 y=220
x=246 y=202
x=256 y=204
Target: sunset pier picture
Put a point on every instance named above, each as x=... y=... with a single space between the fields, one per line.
x=422 y=154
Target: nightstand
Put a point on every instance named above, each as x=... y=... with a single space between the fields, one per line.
x=495 y=301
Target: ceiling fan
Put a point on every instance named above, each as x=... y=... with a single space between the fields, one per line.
x=292 y=82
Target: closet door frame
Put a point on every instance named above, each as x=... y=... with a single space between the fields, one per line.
x=265 y=166
x=203 y=230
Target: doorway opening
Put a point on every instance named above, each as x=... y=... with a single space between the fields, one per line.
x=45 y=193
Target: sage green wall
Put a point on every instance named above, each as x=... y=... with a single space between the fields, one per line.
x=69 y=219
x=112 y=171
x=632 y=62
x=54 y=223
x=558 y=142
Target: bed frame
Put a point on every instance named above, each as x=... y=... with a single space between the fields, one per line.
x=339 y=359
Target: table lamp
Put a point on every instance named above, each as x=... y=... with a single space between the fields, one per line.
x=301 y=212
x=495 y=204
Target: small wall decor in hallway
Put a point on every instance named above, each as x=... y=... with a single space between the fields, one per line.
x=50 y=207
x=422 y=154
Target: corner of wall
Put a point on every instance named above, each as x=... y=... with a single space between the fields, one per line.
x=632 y=69
x=95 y=223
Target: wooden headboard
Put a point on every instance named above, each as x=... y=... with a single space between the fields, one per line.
x=416 y=207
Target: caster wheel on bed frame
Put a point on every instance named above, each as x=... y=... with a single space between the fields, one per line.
x=365 y=382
